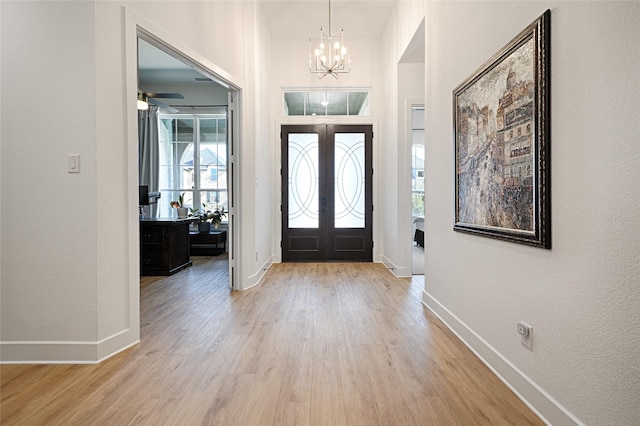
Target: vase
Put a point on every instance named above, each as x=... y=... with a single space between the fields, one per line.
x=216 y=225
x=204 y=227
x=183 y=212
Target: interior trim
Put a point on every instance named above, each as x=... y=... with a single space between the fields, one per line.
x=398 y=271
x=58 y=352
x=540 y=402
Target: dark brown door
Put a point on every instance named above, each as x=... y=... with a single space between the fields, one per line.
x=327 y=208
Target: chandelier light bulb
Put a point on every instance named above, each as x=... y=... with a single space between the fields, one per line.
x=336 y=52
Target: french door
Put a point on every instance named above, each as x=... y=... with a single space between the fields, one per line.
x=327 y=206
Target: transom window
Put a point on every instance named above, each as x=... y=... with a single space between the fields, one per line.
x=193 y=161
x=345 y=102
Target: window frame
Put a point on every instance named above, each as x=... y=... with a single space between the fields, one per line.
x=309 y=93
x=195 y=143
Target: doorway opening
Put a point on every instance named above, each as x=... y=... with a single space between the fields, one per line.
x=186 y=149
x=327 y=192
x=417 y=189
x=411 y=94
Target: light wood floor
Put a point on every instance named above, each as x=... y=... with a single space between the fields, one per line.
x=314 y=344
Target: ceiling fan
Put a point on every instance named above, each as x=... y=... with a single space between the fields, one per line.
x=144 y=99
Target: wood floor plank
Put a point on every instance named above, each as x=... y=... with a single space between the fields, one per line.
x=195 y=405
x=360 y=403
x=297 y=374
x=313 y=344
x=390 y=393
x=293 y=414
x=228 y=405
x=327 y=399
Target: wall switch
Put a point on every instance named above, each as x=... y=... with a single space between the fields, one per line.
x=73 y=163
x=526 y=334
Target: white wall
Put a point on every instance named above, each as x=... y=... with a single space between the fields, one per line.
x=290 y=69
x=266 y=166
x=70 y=277
x=257 y=193
x=411 y=80
x=49 y=227
x=401 y=82
x=582 y=296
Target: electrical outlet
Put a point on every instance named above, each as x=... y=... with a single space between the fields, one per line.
x=526 y=334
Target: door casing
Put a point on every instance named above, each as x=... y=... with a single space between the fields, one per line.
x=326 y=242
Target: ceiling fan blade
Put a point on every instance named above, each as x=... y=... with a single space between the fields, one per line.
x=165 y=95
x=161 y=105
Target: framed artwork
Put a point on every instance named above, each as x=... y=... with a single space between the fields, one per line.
x=502 y=163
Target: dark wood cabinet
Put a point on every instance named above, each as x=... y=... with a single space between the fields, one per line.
x=164 y=246
x=207 y=244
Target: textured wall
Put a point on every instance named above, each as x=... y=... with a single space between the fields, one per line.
x=48 y=229
x=69 y=241
x=582 y=296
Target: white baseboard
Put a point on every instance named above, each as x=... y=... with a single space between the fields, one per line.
x=66 y=352
x=255 y=279
x=398 y=271
x=536 y=398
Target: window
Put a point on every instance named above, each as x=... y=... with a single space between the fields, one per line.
x=345 y=102
x=193 y=160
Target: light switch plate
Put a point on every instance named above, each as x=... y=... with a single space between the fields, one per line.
x=73 y=163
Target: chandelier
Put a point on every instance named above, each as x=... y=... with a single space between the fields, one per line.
x=328 y=53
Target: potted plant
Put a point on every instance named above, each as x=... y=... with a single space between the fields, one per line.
x=179 y=206
x=217 y=215
x=206 y=217
x=203 y=219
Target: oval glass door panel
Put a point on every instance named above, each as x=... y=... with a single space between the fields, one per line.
x=303 y=182
x=349 y=180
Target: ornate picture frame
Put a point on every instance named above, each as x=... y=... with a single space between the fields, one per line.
x=501 y=136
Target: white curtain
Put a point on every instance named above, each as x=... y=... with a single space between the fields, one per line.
x=148 y=170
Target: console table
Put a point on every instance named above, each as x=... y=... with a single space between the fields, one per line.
x=164 y=246
x=207 y=244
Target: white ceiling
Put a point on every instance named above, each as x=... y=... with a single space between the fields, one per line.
x=157 y=67
x=285 y=19
x=303 y=18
